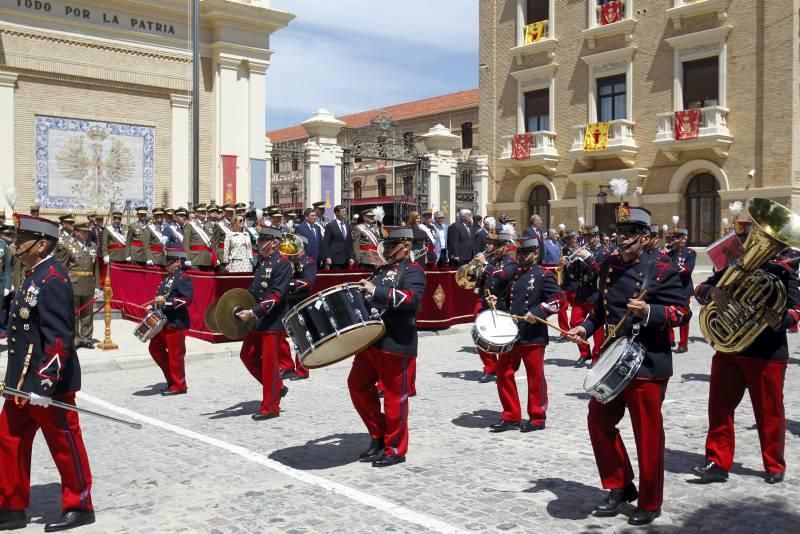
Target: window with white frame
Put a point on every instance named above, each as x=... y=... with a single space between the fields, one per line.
x=611 y=98
x=605 y=12
x=533 y=11
x=612 y=67
x=535 y=89
x=537 y=110
x=700 y=69
x=701 y=83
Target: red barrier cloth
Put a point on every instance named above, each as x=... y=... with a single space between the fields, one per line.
x=444 y=304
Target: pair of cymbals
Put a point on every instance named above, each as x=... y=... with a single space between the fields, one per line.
x=221 y=316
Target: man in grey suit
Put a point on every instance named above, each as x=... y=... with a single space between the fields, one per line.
x=439 y=231
x=535 y=230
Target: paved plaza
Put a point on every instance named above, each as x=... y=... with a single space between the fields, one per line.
x=202 y=465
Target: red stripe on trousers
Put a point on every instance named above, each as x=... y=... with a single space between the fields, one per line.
x=507 y=365
x=372 y=365
x=285 y=362
x=62 y=432
x=730 y=376
x=579 y=313
x=643 y=399
x=489 y=360
x=260 y=356
x=563 y=321
x=168 y=349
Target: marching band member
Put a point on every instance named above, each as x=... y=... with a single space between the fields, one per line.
x=534 y=293
x=397 y=288
x=570 y=280
x=168 y=347
x=496 y=280
x=135 y=238
x=115 y=247
x=621 y=279
x=304 y=274
x=261 y=346
x=586 y=270
x=684 y=259
x=42 y=361
x=197 y=244
x=760 y=369
x=154 y=241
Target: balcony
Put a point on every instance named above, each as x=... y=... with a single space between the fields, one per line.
x=621 y=144
x=684 y=9
x=546 y=43
x=713 y=133
x=599 y=29
x=543 y=153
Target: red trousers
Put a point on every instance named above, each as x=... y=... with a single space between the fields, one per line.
x=643 y=399
x=730 y=376
x=62 y=431
x=260 y=355
x=393 y=372
x=507 y=366
x=489 y=360
x=168 y=349
x=579 y=313
x=569 y=299
x=285 y=362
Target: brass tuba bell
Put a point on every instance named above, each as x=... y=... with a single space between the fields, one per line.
x=752 y=290
x=290 y=245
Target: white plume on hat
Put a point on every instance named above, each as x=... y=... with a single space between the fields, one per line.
x=675 y=219
x=290 y=224
x=581 y=221
x=379 y=213
x=562 y=227
x=619 y=186
x=725 y=221
x=736 y=207
x=665 y=228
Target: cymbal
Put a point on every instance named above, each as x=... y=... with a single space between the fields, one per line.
x=210 y=319
x=228 y=305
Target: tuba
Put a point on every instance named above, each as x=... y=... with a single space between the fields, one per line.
x=290 y=245
x=751 y=289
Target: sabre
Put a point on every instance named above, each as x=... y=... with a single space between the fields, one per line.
x=6 y=391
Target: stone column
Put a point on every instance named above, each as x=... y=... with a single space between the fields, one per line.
x=268 y=177
x=481 y=183
x=181 y=141
x=323 y=159
x=439 y=144
x=8 y=83
x=233 y=101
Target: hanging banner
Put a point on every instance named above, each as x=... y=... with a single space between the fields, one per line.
x=327 y=173
x=521 y=148
x=535 y=31
x=687 y=124
x=228 y=179
x=610 y=12
x=595 y=138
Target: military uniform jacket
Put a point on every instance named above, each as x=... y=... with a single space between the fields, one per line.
x=497 y=279
x=81 y=264
x=174 y=234
x=365 y=239
x=304 y=274
x=197 y=245
x=587 y=270
x=114 y=244
x=770 y=344
x=178 y=290
x=398 y=293
x=620 y=282
x=136 y=244
x=684 y=260
x=41 y=323
x=534 y=290
x=572 y=272
x=61 y=253
x=154 y=243
x=270 y=288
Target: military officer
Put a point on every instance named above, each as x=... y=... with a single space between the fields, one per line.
x=684 y=259
x=154 y=241
x=83 y=272
x=172 y=229
x=304 y=274
x=366 y=238
x=95 y=228
x=240 y=208
x=65 y=238
x=168 y=347
x=197 y=243
x=276 y=220
x=585 y=270
x=114 y=246
x=322 y=220
x=42 y=361
x=622 y=277
x=533 y=293
x=260 y=347
x=396 y=288
x=135 y=238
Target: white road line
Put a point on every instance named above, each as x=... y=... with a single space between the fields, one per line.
x=351 y=493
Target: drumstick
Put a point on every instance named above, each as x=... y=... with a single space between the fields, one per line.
x=488 y=293
x=613 y=332
x=551 y=325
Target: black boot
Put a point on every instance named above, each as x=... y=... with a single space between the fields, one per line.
x=711 y=472
x=12 y=519
x=374 y=452
x=615 y=499
x=485 y=378
x=643 y=517
x=774 y=478
x=71 y=519
x=530 y=426
x=503 y=426
x=388 y=460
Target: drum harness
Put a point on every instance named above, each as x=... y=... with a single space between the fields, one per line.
x=636 y=326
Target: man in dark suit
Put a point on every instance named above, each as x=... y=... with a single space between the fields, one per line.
x=311 y=231
x=535 y=230
x=460 y=243
x=481 y=235
x=338 y=241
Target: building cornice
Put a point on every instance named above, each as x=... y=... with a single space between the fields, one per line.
x=621 y=54
x=714 y=35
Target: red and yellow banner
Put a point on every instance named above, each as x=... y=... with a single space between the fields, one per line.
x=535 y=31
x=521 y=148
x=595 y=138
x=610 y=12
x=687 y=124
x=229 y=179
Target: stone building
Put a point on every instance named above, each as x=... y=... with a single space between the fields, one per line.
x=95 y=101
x=699 y=98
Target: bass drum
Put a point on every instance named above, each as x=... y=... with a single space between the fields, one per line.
x=495 y=332
x=617 y=366
x=332 y=325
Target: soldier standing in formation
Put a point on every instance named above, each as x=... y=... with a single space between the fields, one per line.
x=82 y=266
x=135 y=238
x=197 y=242
x=366 y=238
x=115 y=247
x=65 y=237
x=154 y=241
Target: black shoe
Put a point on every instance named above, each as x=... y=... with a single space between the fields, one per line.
x=680 y=350
x=388 y=461
x=711 y=472
x=616 y=498
x=673 y=345
x=264 y=416
x=298 y=377
x=643 y=517
x=374 y=452
x=503 y=425
x=529 y=426
x=87 y=345
x=284 y=391
x=774 y=478
x=71 y=519
x=95 y=341
x=288 y=374
x=486 y=378
x=581 y=362
x=171 y=393
x=12 y=519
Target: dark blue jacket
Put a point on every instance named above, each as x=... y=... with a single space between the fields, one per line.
x=42 y=325
x=304 y=274
x=534 y=290
x=684 y=261
x=398 y=293
x=314 y=236
x=178 y=289
x=270 y=288
x=587 y=292
x=497 y=279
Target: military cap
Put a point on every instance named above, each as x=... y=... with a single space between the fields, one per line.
x=67 y=218
x=572 y=233
x=268 y=233
x=275 y=212
x=116 y=213
x=202 y=208
x=529 y=243
x=228 y=207
x=319 y=204
x=369 y=212
x=593 y=230
x=213 y=208
x=91 y=214
x=83 y=227
x=289 y=213
x=169 y=211
x=683 y=232
x=175 y=254
x=400 y=234
x=36 y=226
x=632 y=215
x=239 y=206
x=158 y=211
x=270 y=208
x=141 y=210
x=181 y=211
x=505 y=236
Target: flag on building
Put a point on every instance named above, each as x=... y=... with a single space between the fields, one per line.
x=521 y=148
x=595 y=137
x=610 y=12
x=535 y=31
x=687 y=124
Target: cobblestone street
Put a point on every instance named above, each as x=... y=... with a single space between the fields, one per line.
x=201 y=464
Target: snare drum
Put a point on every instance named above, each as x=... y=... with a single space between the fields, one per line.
x=617 y=366
x=151 y=325
x=495 y=332
x=332 y=325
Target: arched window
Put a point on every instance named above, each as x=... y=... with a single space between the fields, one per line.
x=381 y=187
x=356 y=189
x=276 y=197
x=539 y=204
x=702 y=210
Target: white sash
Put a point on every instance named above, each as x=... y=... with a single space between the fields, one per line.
x=202 y=233
x=160 y=237
x=116 y=235
x=372 y=237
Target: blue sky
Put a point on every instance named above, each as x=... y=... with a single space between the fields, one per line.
x=354 y=55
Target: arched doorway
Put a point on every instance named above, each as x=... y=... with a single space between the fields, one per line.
x=702 y=210
x=539 y=204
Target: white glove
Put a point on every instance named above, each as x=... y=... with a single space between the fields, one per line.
x=149 y=262
x=38 y=400
x=106 y=259
x=6 y=292
x=128 y=258
x=98 y=294
x=188 y=263
x=164 y=240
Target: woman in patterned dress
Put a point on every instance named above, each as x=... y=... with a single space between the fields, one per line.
x=238 y=249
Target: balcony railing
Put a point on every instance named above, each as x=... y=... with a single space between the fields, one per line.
x=545 y=43
x=712 y=133
x=598 y=27
x=620 y=141
x=543 y=151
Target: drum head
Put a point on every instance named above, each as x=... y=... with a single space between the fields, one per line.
x=496 y=327
x=346 y=344
x=229 y=304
